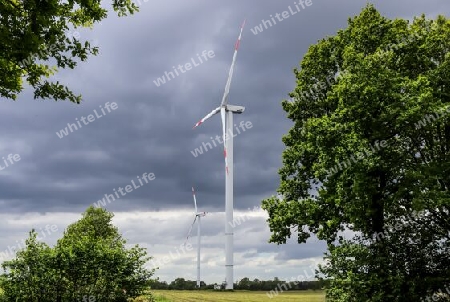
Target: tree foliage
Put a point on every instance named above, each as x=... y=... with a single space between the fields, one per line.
x=89 y=263
x=369 y=154
x=34 y=43
x=30 y=276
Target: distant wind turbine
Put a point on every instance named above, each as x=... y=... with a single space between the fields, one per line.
x=226 y=112
x=197 y=215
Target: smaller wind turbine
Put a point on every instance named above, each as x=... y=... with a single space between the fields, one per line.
x=197 y=215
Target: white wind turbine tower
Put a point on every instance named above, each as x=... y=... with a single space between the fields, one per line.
x=197 y=215
x=226 y=112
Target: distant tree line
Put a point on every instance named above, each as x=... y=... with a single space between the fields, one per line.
x=243 y=284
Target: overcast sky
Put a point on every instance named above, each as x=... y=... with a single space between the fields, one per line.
x=149 y=130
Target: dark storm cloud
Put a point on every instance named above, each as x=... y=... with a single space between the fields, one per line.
x=151 y=129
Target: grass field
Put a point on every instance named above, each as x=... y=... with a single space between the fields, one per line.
x=236 y=296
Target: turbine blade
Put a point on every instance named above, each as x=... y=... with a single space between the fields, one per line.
x=195 y=200
x=224 y=127
x=215 y=111
x=230 y=73
x=190 y=230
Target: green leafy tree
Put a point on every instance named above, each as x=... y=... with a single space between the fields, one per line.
x=369 y=153
x=157 y=284
x=89 y=264
x=34 y=43
x=30 y=276
x=182 y=284
x=96 y=262
x=244 y=283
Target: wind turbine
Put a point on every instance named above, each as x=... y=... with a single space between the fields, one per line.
x=226 y=113
x=197 y=215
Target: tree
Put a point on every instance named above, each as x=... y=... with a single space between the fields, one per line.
x=182 y=284
x=244 y=283
x=157 y=284
x=33 y=35
x=90 y=263
x=30 y=276
x=96 y=262
x=369 y=152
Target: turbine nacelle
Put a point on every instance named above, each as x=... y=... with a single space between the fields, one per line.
x=234 y=108
x=228 y=108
